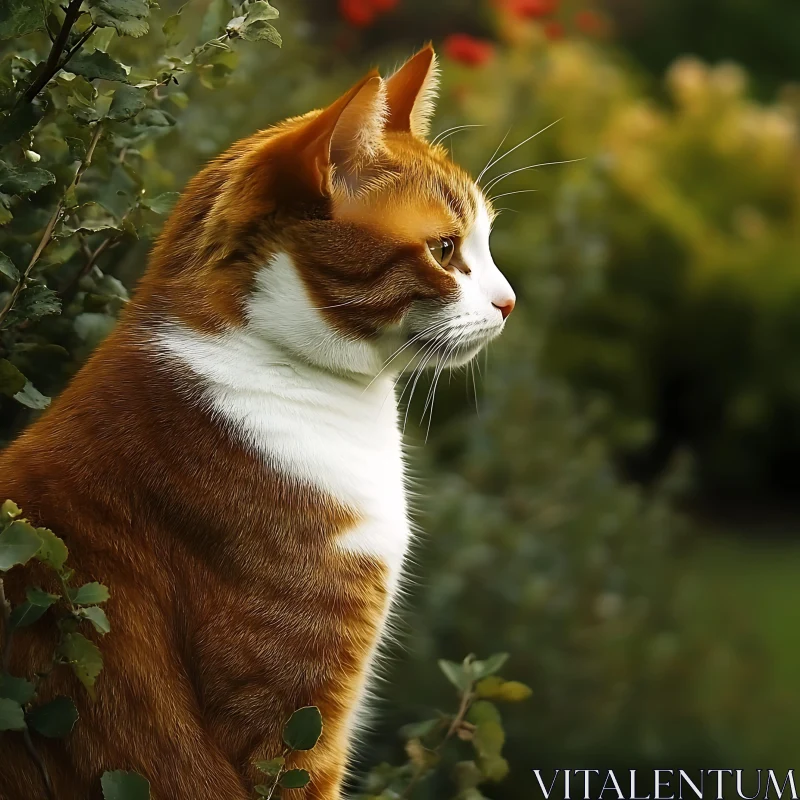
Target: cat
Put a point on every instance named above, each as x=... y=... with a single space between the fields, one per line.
x=229 y=461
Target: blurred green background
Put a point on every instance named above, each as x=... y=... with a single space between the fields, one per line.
x=611 y=495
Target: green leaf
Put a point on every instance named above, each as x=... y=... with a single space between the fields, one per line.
x=7 y=268
x=11 y=379
x=295 y=779
x=261 y=10
x=37 y=602
x=77 y=147
x=457 y=674
x=97 y=65
x=18 y=544
x=36 y=300
x=494 y=767
x=8 y=511
x=303 y=729
x=120 y=785
x=253 y=26
x=489 y=739
x=5 y=209
x=54 y=719
x=127 y=102
x=419 y=730
x=483 y=711
x=84 y=658
x=12 y=717
x=53 y=551
x=172 y=28
x=31 y=397
x=20 y=17
x=480 y=669
x=127 y=17
x=163 y=203
x=271 y=767
x=89 y=594
x=17 y=689
x=262 y=789
x=97 y=617
x=25 y=179
x=18 y=122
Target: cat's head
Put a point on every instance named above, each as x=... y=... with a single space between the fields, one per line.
x=342 y=236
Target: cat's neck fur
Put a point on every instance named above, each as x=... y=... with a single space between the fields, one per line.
x=336 y=433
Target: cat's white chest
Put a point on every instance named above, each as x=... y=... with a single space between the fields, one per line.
x=339 y=437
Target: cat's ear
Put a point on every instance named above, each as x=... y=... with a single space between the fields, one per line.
x=347 y=136
x=411 y=94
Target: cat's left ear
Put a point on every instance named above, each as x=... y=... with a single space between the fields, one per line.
x=411 y=94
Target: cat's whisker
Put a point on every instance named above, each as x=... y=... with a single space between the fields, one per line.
x=508 y=194
x=440 y=137
x=491 y=161
x=430 y=353
x=497 y=160
x=432 y=394
x=338 y=305
x=474 y=388
x=494 y=181
x=416 y=337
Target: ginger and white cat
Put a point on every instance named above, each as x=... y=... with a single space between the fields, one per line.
x=229 y=461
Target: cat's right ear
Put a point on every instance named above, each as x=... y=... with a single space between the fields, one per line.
x=344 y=138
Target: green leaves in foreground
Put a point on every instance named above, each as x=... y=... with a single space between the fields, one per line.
x=18 y=544
x=300 y=733
x=54 y=719
x=303 y=729
x=121 y=785
x=12 y=717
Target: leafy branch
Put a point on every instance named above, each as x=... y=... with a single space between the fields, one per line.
x=301 y=733
x=20 y=542
x=476 y=720
x=47 y=235
x=54 y=62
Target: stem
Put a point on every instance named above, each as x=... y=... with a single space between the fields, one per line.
x=53 y=63
x=51 y=225
x=466 y=700
x=6 y=610
x=77 y=46
x=274 y=786
x=39 y=761
x=92 y=257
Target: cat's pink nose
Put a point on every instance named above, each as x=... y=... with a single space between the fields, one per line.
x=506 y=306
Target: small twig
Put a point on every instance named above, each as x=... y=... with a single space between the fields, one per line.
x=92 y=257
x=6 y=610
x=77 y=46
x=466 y=700
x=53 y=63
x=51 y=225
x=39 y=761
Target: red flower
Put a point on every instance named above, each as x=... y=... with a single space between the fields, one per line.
x=591 y=23
x=467 y=49
x=358 y=13
x=532 y=8
x=554 y=31
x=383 y=6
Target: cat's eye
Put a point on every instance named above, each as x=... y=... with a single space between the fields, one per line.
x=442 y=250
